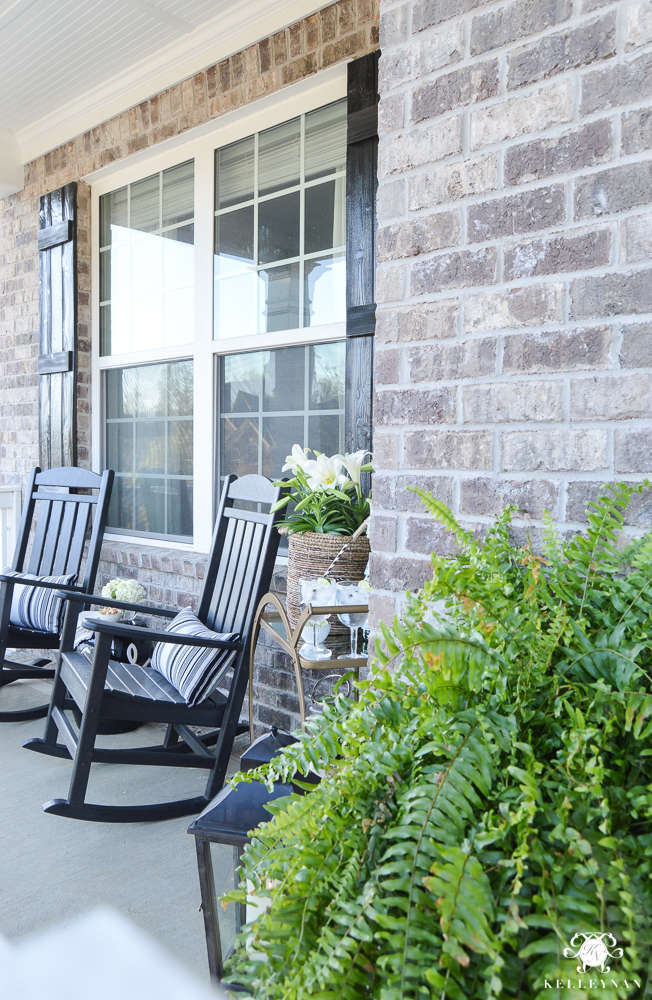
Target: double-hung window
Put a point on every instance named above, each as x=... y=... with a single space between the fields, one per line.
x=279 y=267
x=220 y=317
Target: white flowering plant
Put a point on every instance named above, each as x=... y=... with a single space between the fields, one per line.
x=124 y=590
x=327 y=492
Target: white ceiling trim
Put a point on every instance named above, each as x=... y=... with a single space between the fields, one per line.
x=174 y=22
x=242 y=25
x=13 y=11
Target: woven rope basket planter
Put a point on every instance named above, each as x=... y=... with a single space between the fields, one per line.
x=309 y=556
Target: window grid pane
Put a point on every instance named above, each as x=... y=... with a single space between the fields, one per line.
x=270 y=400
x=149 y=445
x=147 y=263
x=280 y=227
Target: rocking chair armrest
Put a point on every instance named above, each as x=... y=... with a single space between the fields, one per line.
x=23 y=581
x=134 y=632
x=107 y=602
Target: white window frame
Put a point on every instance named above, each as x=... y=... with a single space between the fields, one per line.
x=200 y=144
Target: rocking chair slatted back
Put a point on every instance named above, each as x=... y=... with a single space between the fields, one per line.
x=239 y=557
x=62 y=524
x=57 y=519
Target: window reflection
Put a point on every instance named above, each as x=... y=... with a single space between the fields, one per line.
x=270 y=400
x=149 y=444
x=280 y=234
x=147 y=263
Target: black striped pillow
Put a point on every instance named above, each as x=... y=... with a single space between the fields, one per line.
x=193 y=670
x=37 y=608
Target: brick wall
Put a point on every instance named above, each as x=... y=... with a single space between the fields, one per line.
x=514 y=336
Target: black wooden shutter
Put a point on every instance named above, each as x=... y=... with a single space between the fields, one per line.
x=57 y=243
x=361 y=184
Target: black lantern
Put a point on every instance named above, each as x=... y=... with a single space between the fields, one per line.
x=221 y=833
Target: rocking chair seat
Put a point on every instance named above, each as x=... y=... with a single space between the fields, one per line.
x=27 y=638
x=131 y=688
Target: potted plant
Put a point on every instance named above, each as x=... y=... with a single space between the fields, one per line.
x=325 y=528
x=483 y=826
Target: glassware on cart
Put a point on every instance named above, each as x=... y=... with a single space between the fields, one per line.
x=320 y=592
x=351 y=592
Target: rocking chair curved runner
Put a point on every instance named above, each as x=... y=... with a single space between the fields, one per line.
x=60 y=522
x=238 y=573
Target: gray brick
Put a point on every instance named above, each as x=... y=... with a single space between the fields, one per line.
x=395 y=493
x=611 y=295
x=382 y=609
x=394 y=26
x=424 y=535
x=636 y=131
x=467 y=85
x=546 y=107
x=428 y=13
x=633 y=451
x=484 y=496
x=414 y=406
x=421 y=321
x=419 y=146
x=635 y=235
x=517 y=20
x=389 y=282
x=638 y=513
x=386 y=449
x=440 y=48
x=557 y=254
x=390 y=199
x=382 y=532
x=391 y=113
x=418 y=236
x=447 y=182
x=517 y=213
x=396 y=67
x=584 y=147
x=471 y=359
x=505 y=402
x=618 y=84
x=398 y=573
x=636 y=349
x=615 y=190
x=453 y=270
x=623 y=398
x=386 y=366
x=554 y=450
x=566 y=350
x=528 y=306
x=563 y=51
x=448 y=449
x=638 y=26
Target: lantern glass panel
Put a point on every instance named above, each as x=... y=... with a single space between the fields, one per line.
x=225 y=860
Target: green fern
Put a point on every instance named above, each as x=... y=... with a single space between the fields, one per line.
x=487 y=796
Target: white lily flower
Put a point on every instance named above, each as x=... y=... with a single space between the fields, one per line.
x=297 y=460
x=324 y=473
x=353 y=464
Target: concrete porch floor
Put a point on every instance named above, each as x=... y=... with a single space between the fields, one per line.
x=52 y=869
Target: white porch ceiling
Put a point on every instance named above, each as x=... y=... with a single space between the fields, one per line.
x=67 y=65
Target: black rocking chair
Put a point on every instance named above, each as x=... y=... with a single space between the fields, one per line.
x=238 y=573
x=60 y=531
